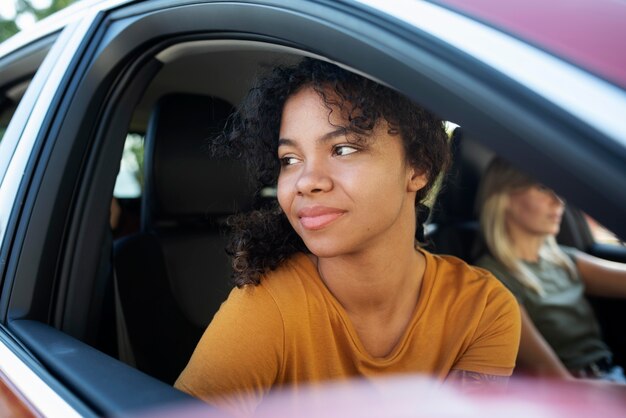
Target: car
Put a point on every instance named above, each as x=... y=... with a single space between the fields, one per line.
x=105 y=289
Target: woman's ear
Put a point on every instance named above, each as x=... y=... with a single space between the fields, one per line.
x=417 y=181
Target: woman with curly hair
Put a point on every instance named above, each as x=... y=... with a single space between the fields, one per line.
x=331 y=281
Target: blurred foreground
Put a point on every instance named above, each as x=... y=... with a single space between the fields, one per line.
x=420 y=397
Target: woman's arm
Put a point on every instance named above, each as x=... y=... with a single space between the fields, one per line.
x=602 y=277
x=473 y=382
x=490 y=358
x=535 y=355
x=239 y=355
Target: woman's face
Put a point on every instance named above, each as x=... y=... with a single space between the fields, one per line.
x=535 y=210
x=340 y=195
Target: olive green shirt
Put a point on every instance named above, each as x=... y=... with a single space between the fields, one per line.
x=563 y=316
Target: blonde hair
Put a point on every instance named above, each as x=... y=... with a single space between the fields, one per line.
x=499 y=181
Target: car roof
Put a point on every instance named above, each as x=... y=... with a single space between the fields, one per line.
x=588 y=33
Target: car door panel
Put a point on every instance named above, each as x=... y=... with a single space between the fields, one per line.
x=29 y=381
x=108 y=386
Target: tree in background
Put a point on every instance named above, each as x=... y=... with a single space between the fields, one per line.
x=24 y=7
x=7 y=29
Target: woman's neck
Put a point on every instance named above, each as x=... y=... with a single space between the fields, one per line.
x=374 y=284
x=526 y=246
x=378 y=287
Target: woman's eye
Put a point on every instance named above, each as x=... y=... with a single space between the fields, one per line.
x=284 y=161
x=345 y=150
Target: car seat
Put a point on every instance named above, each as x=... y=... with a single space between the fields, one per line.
x=453 y=227
x=172 y=276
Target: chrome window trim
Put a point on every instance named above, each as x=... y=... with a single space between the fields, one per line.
x=13 y=133
x=594 y=101
x=61 y=53
x=36 y=392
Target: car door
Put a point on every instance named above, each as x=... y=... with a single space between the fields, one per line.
x=27 y=338
x=56 y=237
x=25 y=64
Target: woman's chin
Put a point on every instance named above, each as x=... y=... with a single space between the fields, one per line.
x=323 y=252
x=322 y=249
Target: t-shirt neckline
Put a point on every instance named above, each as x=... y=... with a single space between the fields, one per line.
x=422 y=300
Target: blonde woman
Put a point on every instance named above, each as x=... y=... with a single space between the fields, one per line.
x=519 y=220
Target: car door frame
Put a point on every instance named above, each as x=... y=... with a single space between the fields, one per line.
x=48 y=260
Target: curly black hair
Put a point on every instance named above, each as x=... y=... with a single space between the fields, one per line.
x=263 y=238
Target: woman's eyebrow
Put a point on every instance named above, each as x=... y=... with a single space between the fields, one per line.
x=324 y=138
x=286 y=142
x=332 y=134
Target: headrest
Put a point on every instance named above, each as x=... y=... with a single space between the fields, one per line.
x=455 y=203
x=182 y=180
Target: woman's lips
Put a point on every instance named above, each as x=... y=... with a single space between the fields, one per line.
x=317 y=217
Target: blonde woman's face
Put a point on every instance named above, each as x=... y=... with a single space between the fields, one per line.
x=535 y=210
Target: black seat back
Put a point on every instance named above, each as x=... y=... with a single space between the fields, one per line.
x=174 y=274
x=454 y=225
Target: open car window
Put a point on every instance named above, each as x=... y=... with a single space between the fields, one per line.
x=602 y=235
x=116 y=261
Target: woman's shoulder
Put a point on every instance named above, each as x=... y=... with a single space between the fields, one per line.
x=280 y=292
x=292 y=270
x=287 y=277
x=489 y=263
x=571 y=252
x=451 y=266
x=453 y=273
x=467 y=287
x=502 y=273
x=289 y=283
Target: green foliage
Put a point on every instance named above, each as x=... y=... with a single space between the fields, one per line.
x=132 y=157
x=136 y=147
x=9 y=28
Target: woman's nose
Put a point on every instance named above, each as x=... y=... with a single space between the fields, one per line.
x=557 y=199
x=314 y=178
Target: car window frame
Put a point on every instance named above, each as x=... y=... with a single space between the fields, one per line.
x=136 y=22
x=25 y=133
x=108 y=43
x=377 y=67
x=18 y=71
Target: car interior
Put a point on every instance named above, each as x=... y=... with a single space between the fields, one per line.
x=162 y=269
x=183 y=208
x=186 y=199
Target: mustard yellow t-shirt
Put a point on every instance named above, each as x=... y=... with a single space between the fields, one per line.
x=291 y=330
